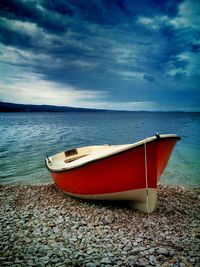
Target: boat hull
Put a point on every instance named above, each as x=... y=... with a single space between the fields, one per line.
x=140 y=199
x=122 y=176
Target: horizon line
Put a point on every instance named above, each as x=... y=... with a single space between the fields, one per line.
x=95 y=109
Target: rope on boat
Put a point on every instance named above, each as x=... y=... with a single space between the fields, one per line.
x=146 y=175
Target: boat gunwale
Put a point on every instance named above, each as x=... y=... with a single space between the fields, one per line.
x=156 y=138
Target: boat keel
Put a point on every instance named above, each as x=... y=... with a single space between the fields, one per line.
x=140 y=199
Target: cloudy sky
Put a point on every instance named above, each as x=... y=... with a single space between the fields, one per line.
x=115 y=54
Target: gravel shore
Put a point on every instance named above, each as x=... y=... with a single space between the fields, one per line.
x=40 y=226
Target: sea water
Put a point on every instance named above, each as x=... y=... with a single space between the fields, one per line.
x=26 y=138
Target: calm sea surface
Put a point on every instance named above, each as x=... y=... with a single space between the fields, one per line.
x=25 y=139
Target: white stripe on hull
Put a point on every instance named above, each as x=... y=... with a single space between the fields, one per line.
x=138 y=198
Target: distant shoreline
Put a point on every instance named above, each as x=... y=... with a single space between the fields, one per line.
x=15 y=107
x=12 y=107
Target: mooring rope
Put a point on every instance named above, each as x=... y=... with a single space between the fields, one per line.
x=146 y=175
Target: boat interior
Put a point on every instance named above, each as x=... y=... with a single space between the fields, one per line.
x=77 y=153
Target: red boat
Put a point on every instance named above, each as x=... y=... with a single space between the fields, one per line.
x=114 y=172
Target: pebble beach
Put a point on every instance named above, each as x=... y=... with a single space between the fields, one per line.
x=40 y=226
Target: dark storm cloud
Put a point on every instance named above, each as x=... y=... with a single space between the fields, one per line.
x=51 y=15
x=118 y=46
x=31 y=11
x=59 y=6
x=8 y=36
x=114 y=12
x=180 y=63
x=148 y=78
x=195 y=48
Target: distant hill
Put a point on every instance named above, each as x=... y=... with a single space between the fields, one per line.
x=11 y=107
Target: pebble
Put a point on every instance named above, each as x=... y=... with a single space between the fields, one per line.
x=152 y=260
x=131 y=260
x=90 y=264
x=151 y=250
x=105 y=260
x=40 y=226
x=139 y=240
x=163 y=251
